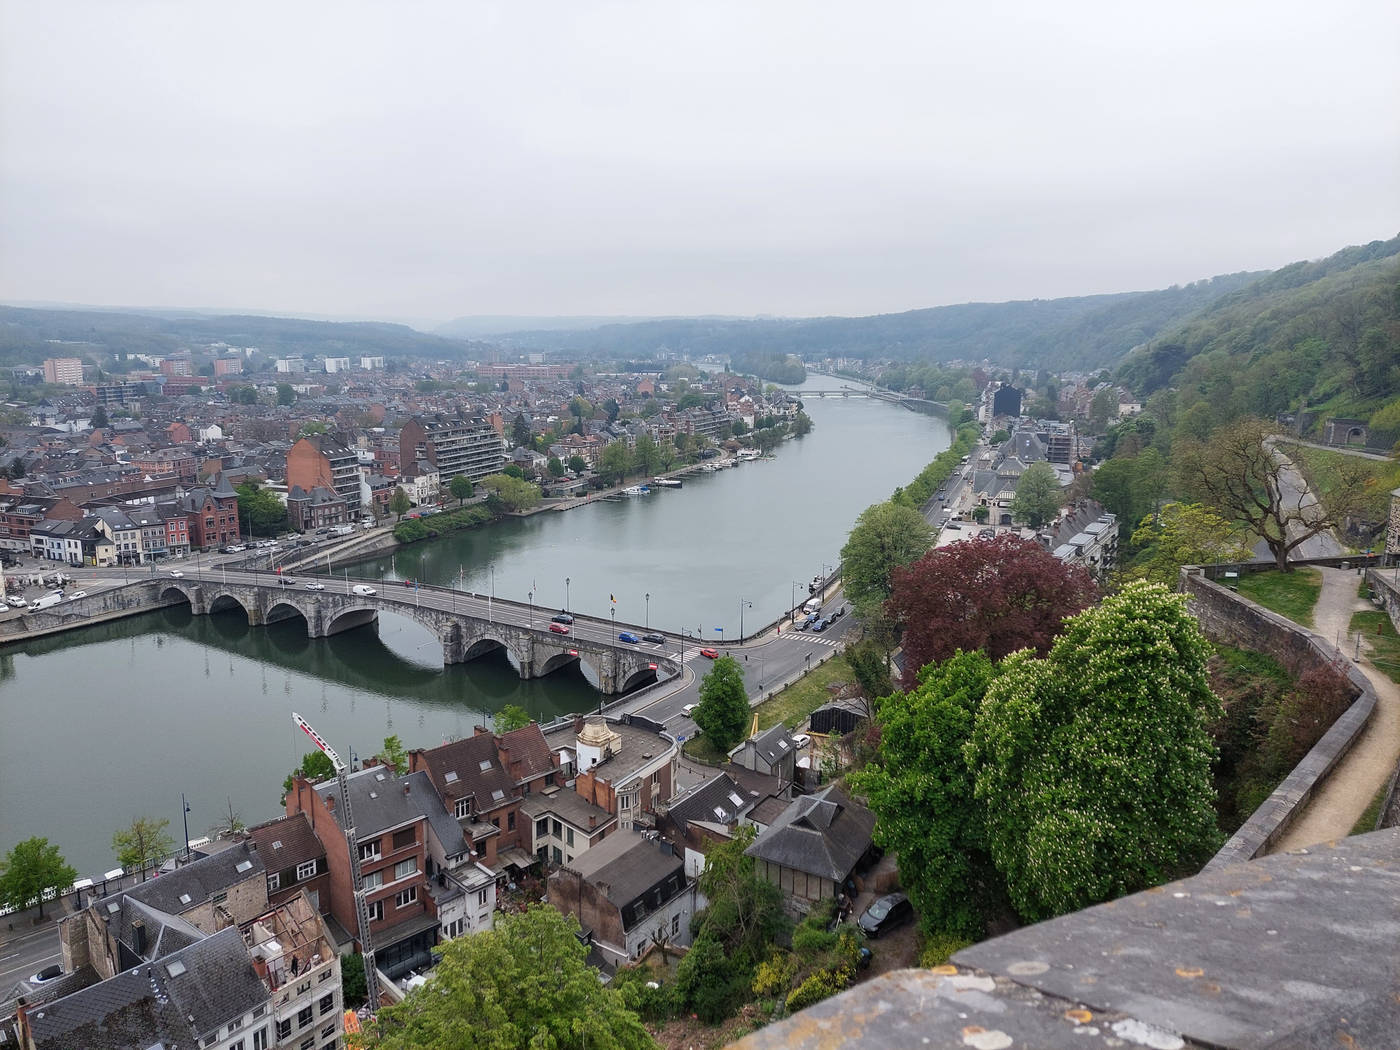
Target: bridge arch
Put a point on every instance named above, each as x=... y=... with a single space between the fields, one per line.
x=347 y=618
x=222 y=601
x=638 y=678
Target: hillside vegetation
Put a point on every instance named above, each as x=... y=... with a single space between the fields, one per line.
x=1314 y=339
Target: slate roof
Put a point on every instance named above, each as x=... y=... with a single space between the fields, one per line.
x=566 y=805
x=772 y=745
x=823 y=834
x=718 y=800
x=470 y=768
x=213 y=983
x=380 y=803
x=286 y=842
x=199 y=880
x=625 y=866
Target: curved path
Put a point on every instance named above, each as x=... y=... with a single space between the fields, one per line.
x=1365 y=769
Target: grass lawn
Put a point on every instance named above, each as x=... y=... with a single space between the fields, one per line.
x=1367 y=821
x=789 y=707
x=1379 y=633
x=1322 y=469
x=1291 y=594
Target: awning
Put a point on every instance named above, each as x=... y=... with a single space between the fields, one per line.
x=515 y=857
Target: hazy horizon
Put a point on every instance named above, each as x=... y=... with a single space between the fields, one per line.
x=422 y=163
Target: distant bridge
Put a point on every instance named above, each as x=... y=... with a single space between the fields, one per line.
x=467 y=626
x=891 y=396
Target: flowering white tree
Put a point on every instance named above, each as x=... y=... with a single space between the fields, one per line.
x=1094 y=763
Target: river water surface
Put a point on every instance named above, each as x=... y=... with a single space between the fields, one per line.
x=115 y=721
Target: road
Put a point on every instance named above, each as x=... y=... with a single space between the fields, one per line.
x=1294 y=493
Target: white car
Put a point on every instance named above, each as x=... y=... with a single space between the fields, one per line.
x=77 y=594
x=315 y=586
x=687 y=709
x=14 y=601
x=363 y=590
x=176 y=573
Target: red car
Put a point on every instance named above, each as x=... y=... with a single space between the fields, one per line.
x=559 y=628
x=713 y=654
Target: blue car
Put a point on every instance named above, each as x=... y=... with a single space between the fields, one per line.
x=628 y=636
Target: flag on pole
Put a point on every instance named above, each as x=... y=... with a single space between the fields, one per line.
x=613 y=598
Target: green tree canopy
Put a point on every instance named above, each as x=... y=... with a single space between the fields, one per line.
x=261 y=510
x=723 y=711
x=1038 y=495
x=460 y=487
x=394 y=754
x=523 y=985
x=508 y=494
x=921 y=789
x=399 y=503
x=614 y=462
x=1094 y=763
x=1184 y=534
x=99 y=419
x=556 y=467
x=520 y=431
x=315 y=765
x=142 y=843
x=577 y=464
x=31 y=869
x=510 y=717
x=646 y=456
x=1129 y=486
x=885 y=537
x=285 y=394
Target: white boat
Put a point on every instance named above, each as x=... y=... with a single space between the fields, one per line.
x=667 y=483
x=636 y=490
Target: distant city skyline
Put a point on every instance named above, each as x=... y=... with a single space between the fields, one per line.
x=425 y=162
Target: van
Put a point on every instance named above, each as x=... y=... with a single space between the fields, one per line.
x=46 y=601
x=815 y=605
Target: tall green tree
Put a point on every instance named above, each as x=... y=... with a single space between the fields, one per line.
x=394 y=754
x=99 y=419
x=285 y=394
x=260 y=510
x=399 y=503
x=577 y=464
x=142 y=843
x=1038 y=495
x=1130 y=486
x=506 y=494
x=614 y=462
x=520 y=431
x=921 y=789
x=556 y=468
x=31 y=869
x=1094 y=763
x=461 y=488
x=510 y=717
x=1184 y=534
x=886 y=536
x=523 y=985
x=315 y=765
x=723 y=711
x=646 y=456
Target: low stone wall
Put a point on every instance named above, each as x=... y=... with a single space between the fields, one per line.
x=1230 y=619
x=1386 y=588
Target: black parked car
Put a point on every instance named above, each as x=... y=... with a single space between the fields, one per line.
x=885 y=914
x=562 y=617
x=659 y=639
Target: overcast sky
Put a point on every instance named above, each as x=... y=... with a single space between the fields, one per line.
x=423 y=161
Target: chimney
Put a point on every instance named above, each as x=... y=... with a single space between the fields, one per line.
x=138 y=937
x=592 y=821
x=479 y=730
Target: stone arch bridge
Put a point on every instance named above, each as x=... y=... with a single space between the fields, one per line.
x=535 y=651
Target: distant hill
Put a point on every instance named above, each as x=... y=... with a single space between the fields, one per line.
x=1087 y=332
x=29 y=335
x=1321 y=337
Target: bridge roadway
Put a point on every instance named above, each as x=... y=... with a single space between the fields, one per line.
x=467 y=625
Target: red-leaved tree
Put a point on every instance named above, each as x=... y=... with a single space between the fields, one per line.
x=996 y=595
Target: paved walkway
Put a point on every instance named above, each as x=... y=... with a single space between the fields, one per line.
x=1365 y=769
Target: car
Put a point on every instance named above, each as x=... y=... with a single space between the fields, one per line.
x=713 y=654
x=659 y=639
x=558 y=628
x=15 y=601
x=820 y=626
x=562 y=617
x=47 y=974
x=686 y=709
x=885 y=914
x=363 y=590
x=286 y=581
x=315 y=586
x=176 y=573
x=801 y=739
x=954 y=526
x=628 y=637
x=986 y=534
x=77 y=594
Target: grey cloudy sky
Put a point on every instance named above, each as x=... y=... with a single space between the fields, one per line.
x=424 y=160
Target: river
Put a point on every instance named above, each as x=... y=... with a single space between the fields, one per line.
x=115 y=721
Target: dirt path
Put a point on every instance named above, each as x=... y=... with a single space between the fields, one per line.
x=1347 y=792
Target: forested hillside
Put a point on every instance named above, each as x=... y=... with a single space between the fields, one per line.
x=1319 y=338
x=1085 y=332
x=29 y=335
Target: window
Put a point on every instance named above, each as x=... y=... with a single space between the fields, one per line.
x=234 y=1026
x=404 y=868
x=481 y=898
x=464 y=808
x=219 y=897
x=303 y=988
x=274 y=881
x=284 y=1029
x=372 y=880
x=376 y=911
x=404 y=838
x=236 y=1046
x=304 y=1017
x=558 y=830
x=308 y=1043
x=675 y=925
x=569 y=836
x=306 y=871
x=370 y=850
x=327 y=1004
x=260 y=1039
x=510 y=821
x=542 y=828
x=406 y=897
x=326 y=974
x=259 y=1011
x=558 y=857
x=328 y=1030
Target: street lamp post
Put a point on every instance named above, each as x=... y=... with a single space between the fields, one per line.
x=648 y=620
x=492 y=597
x=742 y=604
x=531 y=596
x=792 y=608
x=566 y=594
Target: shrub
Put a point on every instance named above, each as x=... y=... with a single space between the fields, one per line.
x=820 y=985
x=940 y=947
x=775 y=974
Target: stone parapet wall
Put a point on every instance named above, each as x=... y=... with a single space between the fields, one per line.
x=1227 y=618
x=1385 y=586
